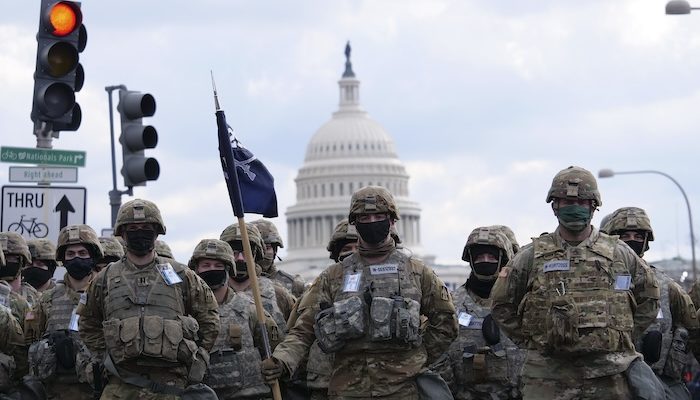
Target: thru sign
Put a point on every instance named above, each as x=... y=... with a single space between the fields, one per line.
x=37 y=212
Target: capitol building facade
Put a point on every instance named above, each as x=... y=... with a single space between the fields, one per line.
x=348 y=152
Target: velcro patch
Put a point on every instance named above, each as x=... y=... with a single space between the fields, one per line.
x=380 y=269
x=556 y=265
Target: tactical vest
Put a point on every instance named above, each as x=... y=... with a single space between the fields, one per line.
x=318 y=368
x=377 y=308
x=674 y=342
x=477 y=361
x=285 y=280
x=144 y=317
x=56 y=355
x=234 y=364
x=580 y=300
x=269 y=300
x=7 y=361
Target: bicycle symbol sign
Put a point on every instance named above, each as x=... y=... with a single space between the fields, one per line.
x=37 y=212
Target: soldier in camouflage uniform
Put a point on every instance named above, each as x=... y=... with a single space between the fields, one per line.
x=11 y=336
x=510 y=235
x=482 y=363
x=151 y=319
x=667 y=342
x=234 y=366
x=163 y=250
x=112 y=252
x=273 y=241
x=57 y=355
x=574 y=299
x=39 y=274
x=370 y=306
x=276 y=299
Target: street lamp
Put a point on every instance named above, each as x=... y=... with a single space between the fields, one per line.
x=679 y=7
x=608 y=173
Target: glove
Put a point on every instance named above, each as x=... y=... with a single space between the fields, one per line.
x=490 y=331
x=272 y=369
x=651 y=346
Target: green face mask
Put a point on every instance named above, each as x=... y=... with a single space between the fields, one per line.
x=574 y=218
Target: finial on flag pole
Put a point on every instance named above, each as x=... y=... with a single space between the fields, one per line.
x=216 y=96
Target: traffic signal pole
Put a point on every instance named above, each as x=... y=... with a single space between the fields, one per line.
x=115 y=195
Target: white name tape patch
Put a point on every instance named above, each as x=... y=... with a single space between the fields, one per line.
x=380 y=269
x=556 y=265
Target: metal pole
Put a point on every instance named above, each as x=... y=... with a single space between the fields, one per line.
x=115 y=195
x=687 y=203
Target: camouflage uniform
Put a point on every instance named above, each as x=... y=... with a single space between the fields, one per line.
x=163 y=250
x=43 y=250
x=234 y=365
x=271 y=236
x=668 y=340
x=378 y=349
x=575 y=307
x=11 y=338
x=276 y=299
x=145 y=326
x=57 y=355
x=481 y=366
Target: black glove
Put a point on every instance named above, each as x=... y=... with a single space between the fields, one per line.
x=491 y=332
x=651 y=346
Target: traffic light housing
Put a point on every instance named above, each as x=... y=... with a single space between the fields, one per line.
x=58 y=75
x=135 y=137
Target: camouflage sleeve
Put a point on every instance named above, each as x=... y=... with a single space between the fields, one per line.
x=285 y=299
x=436 y=304
x=20 y=309
x=91 y=316
x=301 y=335
x=509 y=290
x=11 y=335
x=694 y=293
x=646 y=288
x=36 y=319
x=294 y=314
x=683 y=313
x=204 y=308
x=298 y=286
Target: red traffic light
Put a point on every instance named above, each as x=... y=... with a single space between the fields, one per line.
x=64 y=17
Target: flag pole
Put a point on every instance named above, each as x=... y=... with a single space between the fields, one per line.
x=237 y=204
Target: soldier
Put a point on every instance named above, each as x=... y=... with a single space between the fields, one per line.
x=371 y=306
x=482 y=363
x=510 y=235
x=574 y=298
x=151 y=319
x=18 y=257
x=57 y=355
x=40 y=272
x=112 y=252
x=277 y=300
x=234 y=366
x=667 y=342
x=273 y=242
x=163 y=250
x=11 y=335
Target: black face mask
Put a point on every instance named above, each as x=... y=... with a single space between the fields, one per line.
x=214 y=278
x=241 y=272
x=36 y=277
x=79 y=268
x=141 y=241
x=485 y=268
x=373 y=232
x=637 y=246
x=10 y=269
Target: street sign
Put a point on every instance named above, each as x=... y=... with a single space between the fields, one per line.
x=29 y=155
x=37 y=212
x=44 y=174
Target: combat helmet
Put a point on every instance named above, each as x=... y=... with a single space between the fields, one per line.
x=510 y=235
x=163 y=250
x=111 y=247
x=214 y=249
x=42 y=249
x=604 y=223
x=342 y=234
x=14 y=243
x=575 y=182
x=268 y=232
x=232 y=234
x=630 y=219
x=372 y=200
x=488 y=236
x=139 y=211
x=78 y=234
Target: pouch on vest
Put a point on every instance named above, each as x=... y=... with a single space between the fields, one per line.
x=198 y=367
x=110 y=329
x=172 y=337
x=130 y=338
x=190 y=327
x=484 y=364
x=324 y=328
x=235 y=336
x=349 y=318
x=562 y=323
x=677 y=355
x=153 y=335
x=64 y=349
x=407 y=320
x=7 y=370
x=490 y=331
x=380 y=318
x=42 y=360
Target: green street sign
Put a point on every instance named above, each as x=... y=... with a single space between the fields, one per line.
x=28 y=155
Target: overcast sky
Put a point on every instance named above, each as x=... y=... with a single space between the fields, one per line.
x=485 y=100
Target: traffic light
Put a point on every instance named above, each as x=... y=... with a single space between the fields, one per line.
x=135 y=137
x=58 y=75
